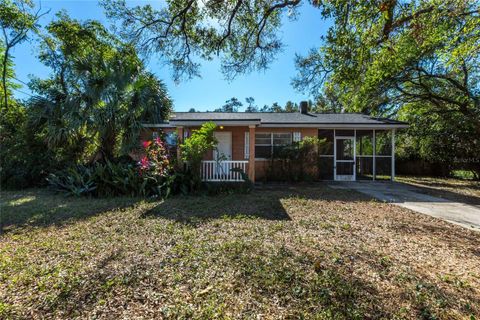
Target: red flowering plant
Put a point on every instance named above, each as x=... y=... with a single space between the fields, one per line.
x=155 y=162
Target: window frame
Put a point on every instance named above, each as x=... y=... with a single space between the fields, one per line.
x=271 y=145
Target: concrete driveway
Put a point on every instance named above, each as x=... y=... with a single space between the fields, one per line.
x=412 y=198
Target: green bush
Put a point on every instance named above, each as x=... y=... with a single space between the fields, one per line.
x=25 y=160
x=75 y=181
x=152 y=176
x=194 y=148
x=295 y=162
x=110 y=179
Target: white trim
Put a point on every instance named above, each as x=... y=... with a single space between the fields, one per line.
x=157 y=125
x=392 y=177
x=174 y=124
x=355 y=155
x=374 y=170
x=352 y=126
x=334 y=155
x=297 y=136
x=213 y=170
x=344 y=177
x=224 y=123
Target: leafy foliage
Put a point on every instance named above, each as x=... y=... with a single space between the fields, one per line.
x=150 y=177
x=231 y=105
x=419 y=59
x=194 y=148
x=17 y=20
x=378 y=57
x=25 y=160
x=99 y=92
x=295 y=162
x=243 y=33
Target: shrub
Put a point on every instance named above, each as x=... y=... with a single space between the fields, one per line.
x=151 y=176
x=77 y=181
x=195 y=147
x=295 y=162
x=25 y=160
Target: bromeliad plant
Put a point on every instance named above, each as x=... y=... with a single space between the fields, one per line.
x=150 y=177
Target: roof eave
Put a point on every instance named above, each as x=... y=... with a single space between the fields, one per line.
x=224 y=122
x=336 y=125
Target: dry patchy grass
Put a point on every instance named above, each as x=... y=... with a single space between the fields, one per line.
x=467 y=191
x=298 y=252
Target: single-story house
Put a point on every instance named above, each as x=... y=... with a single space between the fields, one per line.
x=357 y=146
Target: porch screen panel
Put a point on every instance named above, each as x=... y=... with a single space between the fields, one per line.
x=326 y=142
x=383 y=154
x=344 y=168
x=364 y=167
x=326 y=151
x=383 y=168
x=364 y=154
x=383 y=143
x=344 y=133
x=325 y=168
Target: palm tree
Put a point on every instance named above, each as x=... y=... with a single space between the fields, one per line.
x=99 y=97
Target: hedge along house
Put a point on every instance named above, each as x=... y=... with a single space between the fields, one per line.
x=357 y=146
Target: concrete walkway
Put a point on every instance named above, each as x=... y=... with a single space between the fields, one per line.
x=411 y=198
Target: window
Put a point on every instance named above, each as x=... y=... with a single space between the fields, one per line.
x=171 y=138
x=268 y=143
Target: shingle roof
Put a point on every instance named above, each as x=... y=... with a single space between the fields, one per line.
x=284 y=118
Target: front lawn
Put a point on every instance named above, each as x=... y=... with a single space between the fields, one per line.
x=298 y=252
x=467 y=191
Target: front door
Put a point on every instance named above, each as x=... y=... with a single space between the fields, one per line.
x=345 y=158
x=223 y=152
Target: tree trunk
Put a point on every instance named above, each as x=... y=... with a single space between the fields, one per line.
x=108 y=145
x=4 y=77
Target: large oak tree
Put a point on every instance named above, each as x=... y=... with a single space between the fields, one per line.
x=379 y=56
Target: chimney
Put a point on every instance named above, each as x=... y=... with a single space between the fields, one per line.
x=303 y=107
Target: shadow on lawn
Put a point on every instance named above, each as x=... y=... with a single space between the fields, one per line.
x=263 y=203
x=435 y=188
x=189 y=208
x=42 y=208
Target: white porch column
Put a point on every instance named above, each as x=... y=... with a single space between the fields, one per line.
x=374 y=170
x=393 y=156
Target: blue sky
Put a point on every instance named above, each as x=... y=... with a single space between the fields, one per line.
x=211 y=90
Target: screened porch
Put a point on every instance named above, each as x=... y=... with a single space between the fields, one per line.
x=357 y=154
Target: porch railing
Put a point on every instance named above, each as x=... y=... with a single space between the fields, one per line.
x=223 y=170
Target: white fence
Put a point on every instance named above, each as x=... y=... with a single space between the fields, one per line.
x=222 y=170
